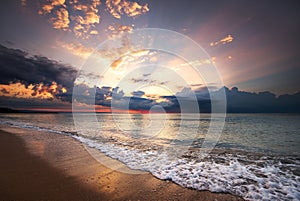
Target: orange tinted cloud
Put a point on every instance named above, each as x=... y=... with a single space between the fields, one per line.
x=58 y=2
x=117 y=63
x=77 y=49
x=47 y=8
x=121 y=7
x=50 y=5
x=40 y=91
x=133 y=57
x=118 y=30
x=80 y=7
x=139 y=53
x=94 y=32
x=227 y=39
x=133 y=9
x=81 y=17
x=85 y=23
x=23 y=3
x=62 y=20
x=91 y=18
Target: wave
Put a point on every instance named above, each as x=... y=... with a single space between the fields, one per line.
x=253 y=176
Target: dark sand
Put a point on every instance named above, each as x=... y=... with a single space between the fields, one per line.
x=38 y=165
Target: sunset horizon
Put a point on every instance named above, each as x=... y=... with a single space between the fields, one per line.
x=150 y=100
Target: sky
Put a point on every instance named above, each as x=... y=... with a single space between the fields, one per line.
x=252 y=45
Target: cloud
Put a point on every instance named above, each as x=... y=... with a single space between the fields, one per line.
x=37 y=104
x=227 y=39
x=34 y=72
x=198 y=62
x=19 y=90
x=62 y=20
x=86 y=20
x=148 y=81
x=50 y=5
x=80 y=7
x=138 y=94
x=139 y=53
x=125 y=53
x=121 y=7
x=94 y=32
x=146 y=74
x=81 y=17
x=47 y=8
x=137 y=80
x=196 y=85
x=200 y=93
x=77 y=49
x=60 y=14
x=132 y=58
x=117 y=63
x=243 y=102
x=92 y=18
x=134 y=9
x=23 y=3
x=36 y=81
x=118 y=30
x=97 y=95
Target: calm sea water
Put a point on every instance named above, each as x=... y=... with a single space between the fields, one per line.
x=257 y=156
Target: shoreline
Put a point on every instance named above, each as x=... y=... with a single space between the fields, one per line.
x=38 y=165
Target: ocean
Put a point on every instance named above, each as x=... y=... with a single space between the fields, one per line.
x=257 y=156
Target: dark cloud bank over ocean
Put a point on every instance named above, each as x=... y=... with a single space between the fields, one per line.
x=18 y=66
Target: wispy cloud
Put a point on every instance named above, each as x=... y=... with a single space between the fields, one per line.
x=77 y=49
x=125 y=53
x=227 y=39
x=133 y=57
x=118 y=30
x=117 y=63
x=195 y=63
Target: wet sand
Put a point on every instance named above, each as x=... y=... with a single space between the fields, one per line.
x=38 y=165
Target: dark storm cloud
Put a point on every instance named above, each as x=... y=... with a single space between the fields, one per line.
x=18 y=66
x=25 y=103
x=241 y=102
x=190 y=101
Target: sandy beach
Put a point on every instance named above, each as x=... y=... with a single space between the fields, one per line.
x=37 y=165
